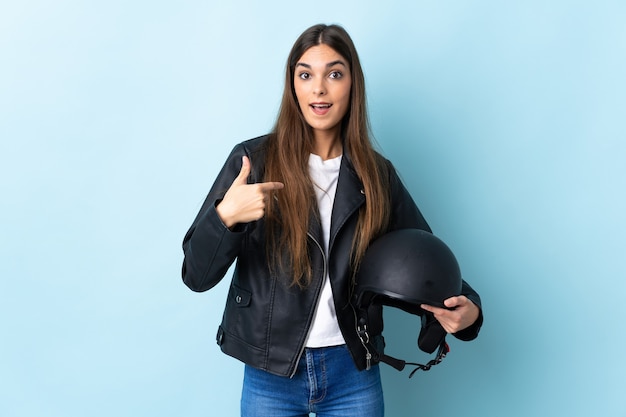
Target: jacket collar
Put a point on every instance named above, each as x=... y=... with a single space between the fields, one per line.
x=348 y=198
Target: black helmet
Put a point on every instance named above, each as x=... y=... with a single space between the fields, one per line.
x=404 y=269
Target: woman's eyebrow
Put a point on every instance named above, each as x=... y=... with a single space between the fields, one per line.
x=337 y=62
x=330 y=64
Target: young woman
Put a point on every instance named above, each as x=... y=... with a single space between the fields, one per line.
x=297 y=209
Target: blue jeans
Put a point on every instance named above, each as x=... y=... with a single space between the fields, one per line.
x=326 y=383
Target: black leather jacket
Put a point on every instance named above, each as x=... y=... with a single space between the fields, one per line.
x=266 y=321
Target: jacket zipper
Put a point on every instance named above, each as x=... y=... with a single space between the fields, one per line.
x=295 y=368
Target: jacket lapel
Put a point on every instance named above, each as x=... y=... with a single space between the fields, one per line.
x=348 y=198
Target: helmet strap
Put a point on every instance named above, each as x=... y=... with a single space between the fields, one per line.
x=441 y=353
x=398 y=364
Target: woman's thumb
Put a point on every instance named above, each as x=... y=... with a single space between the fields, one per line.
x=242 y=178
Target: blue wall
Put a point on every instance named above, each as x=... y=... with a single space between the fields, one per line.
x=505 y=119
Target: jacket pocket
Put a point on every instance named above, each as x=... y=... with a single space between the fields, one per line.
x=239 y=296
x=237 y=312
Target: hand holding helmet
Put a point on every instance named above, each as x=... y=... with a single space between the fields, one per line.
x=459 y=314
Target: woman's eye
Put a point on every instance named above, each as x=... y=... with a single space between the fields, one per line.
x=304 y=75
x=336 y=74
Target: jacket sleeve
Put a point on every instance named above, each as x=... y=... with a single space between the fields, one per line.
x=209 y=246
x=405 y=214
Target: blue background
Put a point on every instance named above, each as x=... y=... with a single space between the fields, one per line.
x=506 y=121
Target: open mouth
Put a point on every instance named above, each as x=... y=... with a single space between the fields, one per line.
x=320 y=108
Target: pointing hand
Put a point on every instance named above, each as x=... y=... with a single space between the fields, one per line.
x=245 y=202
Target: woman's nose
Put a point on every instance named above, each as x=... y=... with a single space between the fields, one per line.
x=319 y=88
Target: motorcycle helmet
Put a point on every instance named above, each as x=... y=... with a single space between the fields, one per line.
x=404 y=269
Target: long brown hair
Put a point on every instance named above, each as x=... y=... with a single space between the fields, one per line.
x=289 y=146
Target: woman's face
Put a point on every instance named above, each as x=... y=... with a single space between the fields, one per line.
x=322 y=83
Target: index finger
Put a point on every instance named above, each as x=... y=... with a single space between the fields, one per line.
x=430 y=308
x=269 y=186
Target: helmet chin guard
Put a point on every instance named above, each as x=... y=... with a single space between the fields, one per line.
x=404 y=269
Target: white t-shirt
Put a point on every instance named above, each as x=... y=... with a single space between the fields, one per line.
x=324 y=174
